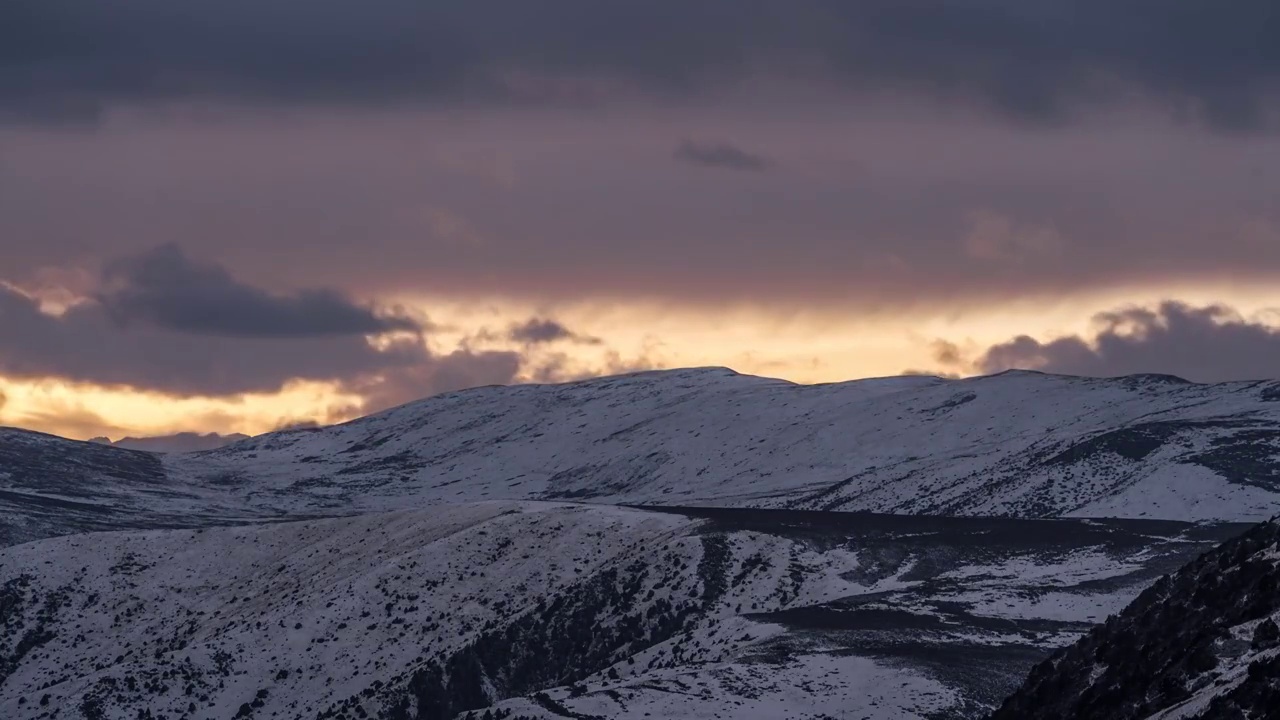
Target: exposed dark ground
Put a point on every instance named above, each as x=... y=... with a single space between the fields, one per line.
x=985 y=657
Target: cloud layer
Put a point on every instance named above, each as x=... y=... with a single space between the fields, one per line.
x=165 y=288
x=1033 y=61
x=165 y=323
x=87 y=344
x=1203 y=344
x=868 y=213
x=800 y=160
x=537 y=331
x=720 y=155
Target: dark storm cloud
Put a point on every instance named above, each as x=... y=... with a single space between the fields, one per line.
x=87 y=344
x=1030 y=59
x=535 y=331
x=1203 y=344
x=165 y=288
x=189 y=358
x=720 y=155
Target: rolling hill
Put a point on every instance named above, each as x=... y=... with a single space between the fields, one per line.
x=683 y=544
x=1018 y=444
x=553 y=610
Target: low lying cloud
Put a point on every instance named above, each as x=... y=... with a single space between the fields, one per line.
x=946 y=353
x=162 y=322
x=721 y=155
x=71 y=421
x=458 y=370
x=560 y=368
x=165 y=288
x=1203 y=344
x=297 y=424
x=537 y=331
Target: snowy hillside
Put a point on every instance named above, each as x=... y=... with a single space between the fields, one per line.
x=177 y=442
x=1203 y=643
x=553 y=610
x=50 y=486
x=1017 y=444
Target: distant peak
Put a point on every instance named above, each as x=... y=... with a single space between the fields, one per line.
x=1157 y=378
x=1022 y=372
x=177 y=442
x=1133 y=379
x=706 y=371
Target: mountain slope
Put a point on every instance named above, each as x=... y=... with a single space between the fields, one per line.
x=50 y=486
x=1202 y=643
x=691 y=613
x=1018 y=444
x=177 y=442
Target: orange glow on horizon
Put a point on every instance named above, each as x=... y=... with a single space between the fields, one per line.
x=807 y=346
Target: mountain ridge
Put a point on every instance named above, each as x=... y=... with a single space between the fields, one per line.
x=693 y=543
x=1019 y=444
x=175 y=442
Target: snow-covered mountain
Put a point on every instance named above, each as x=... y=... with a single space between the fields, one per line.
x=51 y=486
x=665 y=545
x=552 y=610
x=1018 y=444
x=177 y=442
x=1202 y=643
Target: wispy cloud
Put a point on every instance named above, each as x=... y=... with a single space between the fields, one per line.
x=721 y=155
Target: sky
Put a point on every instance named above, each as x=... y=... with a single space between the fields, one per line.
x=246 y=215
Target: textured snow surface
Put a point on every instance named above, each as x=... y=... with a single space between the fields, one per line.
x=483 y=550
x=596 y=610
x=1017 y=444
x=1201 y=643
